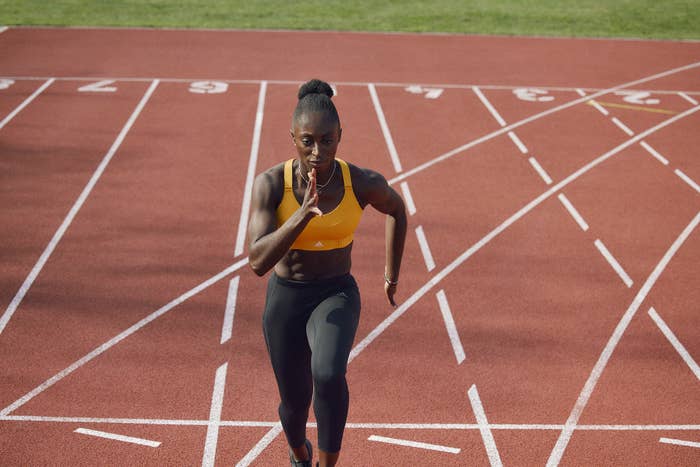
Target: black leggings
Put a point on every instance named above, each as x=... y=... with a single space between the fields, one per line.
x=309 y=328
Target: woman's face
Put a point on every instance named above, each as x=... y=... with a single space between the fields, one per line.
x=316 y=136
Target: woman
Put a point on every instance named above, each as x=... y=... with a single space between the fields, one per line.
x=303 y=215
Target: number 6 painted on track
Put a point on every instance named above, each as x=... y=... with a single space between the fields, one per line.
x=532 y=95
x=208 y=87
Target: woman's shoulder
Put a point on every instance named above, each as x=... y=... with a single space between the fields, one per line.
x=365 y=181
x=270 y=182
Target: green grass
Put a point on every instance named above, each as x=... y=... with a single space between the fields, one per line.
x=663 y=19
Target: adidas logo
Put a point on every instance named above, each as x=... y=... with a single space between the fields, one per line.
x=318 y=244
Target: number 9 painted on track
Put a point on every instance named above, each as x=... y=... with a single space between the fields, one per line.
x=532 y=95
x=208 y=87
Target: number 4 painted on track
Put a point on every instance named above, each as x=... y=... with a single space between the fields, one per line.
x=430 y=93
x=100 y=86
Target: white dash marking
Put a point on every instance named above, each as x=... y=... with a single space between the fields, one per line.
x=125 y=439
x=408 y=198
x=26 y=102
x=687 y=358
x=414 y=444
x=600 y=108
x=517 y=142
x=614 y=263
x=217 y=402
x=250 y=176
x=227 y=328
x=483 y=423
x=622 y=126
x=680 y=442
x=688 y=180
x=24 y=288
x=424 y=248
x=488 y=105
x=654 y=153
x=580 y=92
x=450 y=325
x=260 y=446
x=3 y=29
x=688 y=98
x=536 y=165
x=385 y=128
x=573 y=211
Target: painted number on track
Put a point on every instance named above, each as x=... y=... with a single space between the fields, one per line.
x=638 y=97
x=100 y=86
x=532 y=95
x=430 y=93
x=208 y=87
x=6 y=83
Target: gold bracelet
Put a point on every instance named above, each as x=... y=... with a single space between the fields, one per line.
x=390 y=282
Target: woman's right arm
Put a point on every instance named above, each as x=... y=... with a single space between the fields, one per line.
x=268 y=243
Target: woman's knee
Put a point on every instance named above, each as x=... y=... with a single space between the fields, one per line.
x=328 y=378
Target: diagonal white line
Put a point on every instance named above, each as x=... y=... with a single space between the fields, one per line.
x=425 y=248
x=680 y=442
x=517 y=142
x=584 y=396
x=24 y=288
x=614 y=263
x=685 y=355
x=451 y=328
x=688 y=180
x=688 y=98
x=599 y=108
x=227 y=328
x=410 y=205
x=654 y=153
x=487 y=104
x=573 y=211
x=540 y=171
x=622 y=126
x=26 y=102
x=414 y=444
x=260 y=446
x=125 y=439
x=385 y=128
x=3 y=29
x=217 y=402
x=486 y=435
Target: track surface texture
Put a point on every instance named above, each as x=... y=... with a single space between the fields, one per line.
x=549 y=298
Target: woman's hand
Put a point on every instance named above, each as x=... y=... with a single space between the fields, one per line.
x=390 y=290
x=310 y=203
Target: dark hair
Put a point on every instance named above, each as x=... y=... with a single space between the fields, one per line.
x=315 y=96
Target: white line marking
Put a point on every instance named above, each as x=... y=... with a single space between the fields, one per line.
x=227 y=328
x=424 y=248
x=121 y=336
x=584 y=396
x=217 y=402
x=622 y=126
x=125 y=439
x=517 y=142
x=486 y=435
x=614 y=263
x=26 y=102
x=408 y=198
x=488 y=105
x=580 y=92
x=600 y=108
x=573 y=211
x=654 y=153
x=680 y=442
x=260 y=446
x=3 y=29
x=250 y=176
x=451 y=328
x=24 y=288
x=520 y=123
x=687 y=358
x=536 y=165
x=437 y=278
x=385 y=128
x=688 y=180
x=688 y=98
x=414 y=444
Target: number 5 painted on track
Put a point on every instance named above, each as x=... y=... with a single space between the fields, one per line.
x=532 y=95
x=208 y=87
x=100 y=86
x=637 y=97
x=6 y=83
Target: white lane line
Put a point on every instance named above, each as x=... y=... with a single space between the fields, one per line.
x=688 y=180
x=260 y=446
x=414 y=444
x=536 y=165
x=466 y=254
x=688 y=98
x=121 y=336
x=3 y=29
x=687 y=358
x=680 y=442
x=589 y=386
x=227 y=328
x=408 y=199
x=425 y=249
x=217 y=402
x=451 y=328
x=486 y=435
x=654 y=153
x=600 y=108
x=385 y=128
x=573 y=211
x=488 y=105
x=125 y=439
x=250 y=176
x=24 y=288
x=622 y=126
x=26 y=102
x=614 y=263
x=517 y=142
x=580 y=92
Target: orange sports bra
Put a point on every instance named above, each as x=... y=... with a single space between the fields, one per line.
x=329 y=231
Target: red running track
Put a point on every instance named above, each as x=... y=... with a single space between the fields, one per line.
x=571 y=278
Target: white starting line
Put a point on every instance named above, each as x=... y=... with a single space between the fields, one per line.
x=680 y=442
x=414 y=444
x=122 y=438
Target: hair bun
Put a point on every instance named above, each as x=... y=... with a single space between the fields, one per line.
x=315 y=86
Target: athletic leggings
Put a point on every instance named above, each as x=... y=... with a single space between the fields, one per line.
x=309 y=327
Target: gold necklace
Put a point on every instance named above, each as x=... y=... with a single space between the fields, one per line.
x=318 y=187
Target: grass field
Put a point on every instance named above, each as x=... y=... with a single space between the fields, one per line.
x=667 y=19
